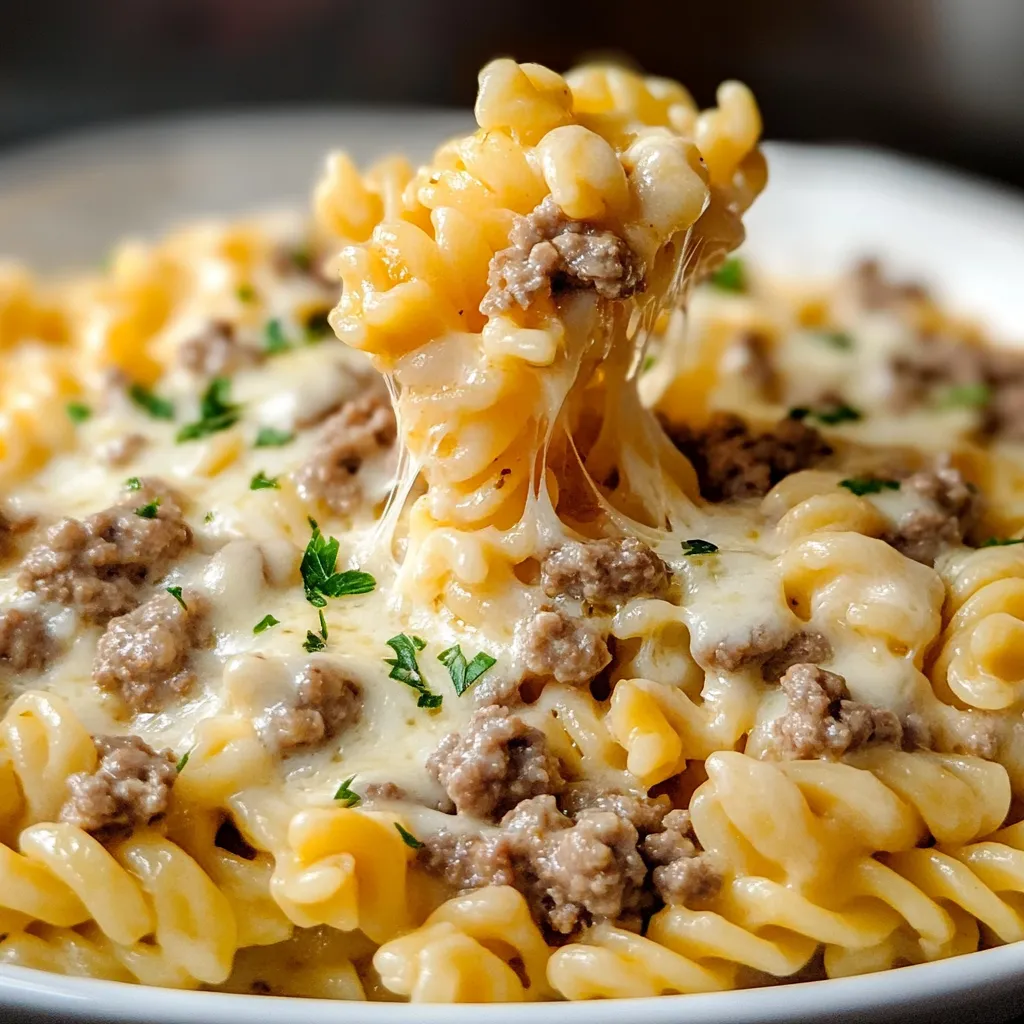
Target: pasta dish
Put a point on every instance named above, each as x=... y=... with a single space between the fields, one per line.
x=490 y=588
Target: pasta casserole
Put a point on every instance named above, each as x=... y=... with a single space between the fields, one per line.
x=488 y=588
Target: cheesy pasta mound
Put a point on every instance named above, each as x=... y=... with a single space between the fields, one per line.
x=409 y=601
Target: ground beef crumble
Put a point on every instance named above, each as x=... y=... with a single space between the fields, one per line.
x=551 y=644
x=130 y=786
x=732 y=460
x=820 y=721
x=362 y=428
x=496 y=762
x=144 y=657
x=949 y=509
x=603 y=573
x=24 y=642
x=327 y=699
x=216 y=351
x=548 y=252
x=97 y=564
x=613 y=856
x=802 y=648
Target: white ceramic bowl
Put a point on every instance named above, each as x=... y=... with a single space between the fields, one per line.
x=64 y=203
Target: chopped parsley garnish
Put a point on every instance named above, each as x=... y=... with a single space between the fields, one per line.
x=301 y=259
x=830 y=415
x=175 y=592
x=648 y=363
x=267 y=622
x=731 y=276
x=317 y=326
x=408 y=838
x=316 y=641
x=405 y=668
x=246 y=293
x=149 y=510
x=209 y=517
x=699 y=547
x=157 y=407
x=78 y=412
x=274 y=341
x=270 y=437
x=836 y=339
x=972 y=395
x=464 y=674
x=861 y=485
x=133 y=483
x=262 y=482
x=216 y=412
x=1002 y=542
x=345 y=796
x=180 y=766
x=319 y=579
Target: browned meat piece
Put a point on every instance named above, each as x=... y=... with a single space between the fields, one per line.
x=496 y=762
x=469 y=860
x=821 y=721
x=733 y=461
x=680 y=873
x=552 y=644
x=549 y=253
x=616 y=855
x=751 y=357
x=363 y=428
x=6 y=532
x=145 y=656
x=217 y=352
x=385 y=791
x=96 y=565
x=745 y=647
x=24 y=643
x=130 y=786
x=949 y=508
x=326 y=700
x=604 y=573
x=121 y=450
x=875 y=291
x=807 y=648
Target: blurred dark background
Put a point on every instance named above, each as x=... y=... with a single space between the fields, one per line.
x=938 y=78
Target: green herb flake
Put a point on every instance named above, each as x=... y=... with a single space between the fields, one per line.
x=180 y=766
x=262 y=482
x=133 y=483
x=319 y=579
x=209 y=517
x=699 y=547
x=267 y=622
x=464 y=674
x=345 y=796
x=175 y=592
x=301 y=259
x=408 y=838
x=78 y=412
x=216 y=412
x=274 y=340
x=406 y=669
x=648 y=364
x=731 y=276
x=862 y=485
x=839 y=340
x=246 y=293
x=837 y=414
x=316 y=642
x=157 y=407
x=318 y=327
x=269 y=437
x=974 y=396
x=1002 y=542
x=149 y=510
x=799 y=412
